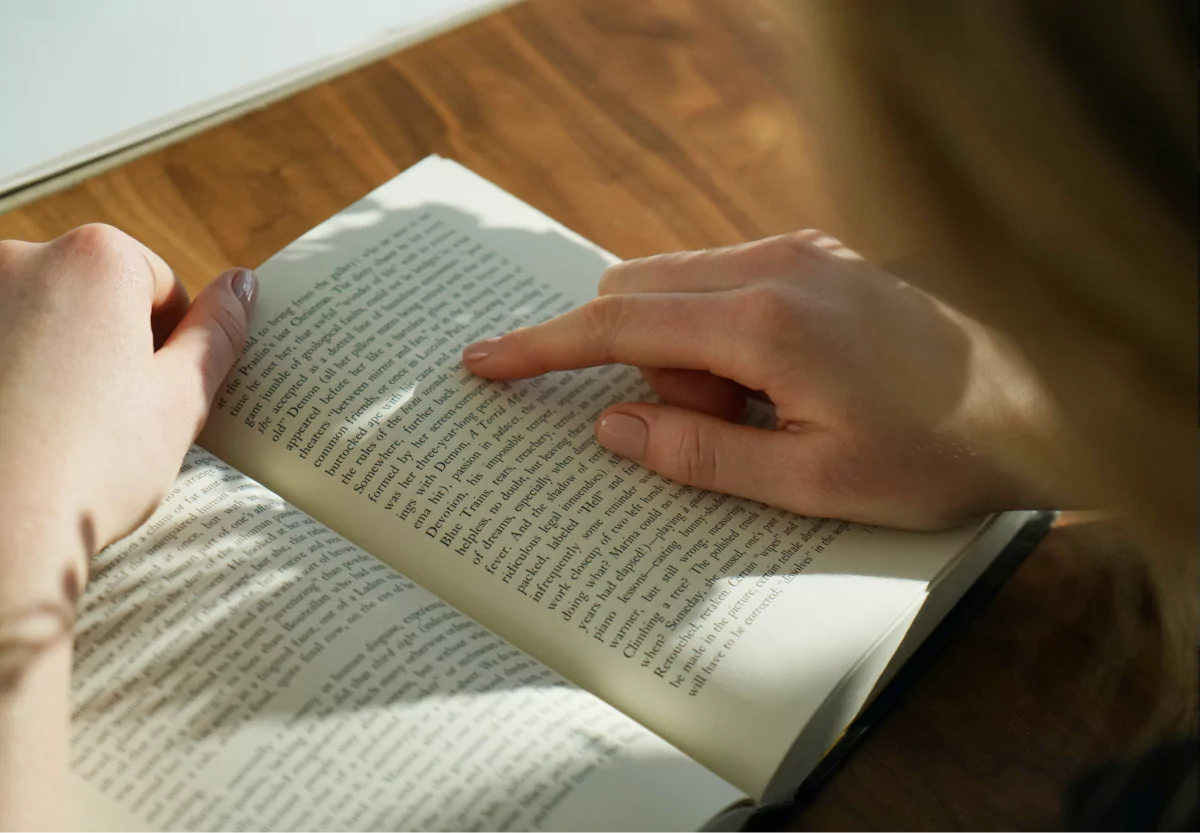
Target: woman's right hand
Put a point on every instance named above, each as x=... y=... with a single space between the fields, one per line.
x=889 y=404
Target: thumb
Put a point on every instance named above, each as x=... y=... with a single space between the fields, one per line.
x=704 y=451
x=202 y=350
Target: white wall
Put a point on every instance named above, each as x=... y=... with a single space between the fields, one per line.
x=83 y=78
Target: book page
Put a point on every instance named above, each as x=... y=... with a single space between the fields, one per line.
x=241 y=666
x=721 y=624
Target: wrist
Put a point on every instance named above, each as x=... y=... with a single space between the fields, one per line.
x=41 y=571
x=44 y=554
x=1009 y=418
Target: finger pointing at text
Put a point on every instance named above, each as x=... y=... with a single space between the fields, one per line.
x=885 y=398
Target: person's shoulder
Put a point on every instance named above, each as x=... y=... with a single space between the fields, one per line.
x=1154 y=791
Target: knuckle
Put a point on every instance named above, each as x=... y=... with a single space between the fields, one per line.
x=232 y=326
x=801 y=246
x=632 y=276
x=782 y=257
x=606 y=316
x=615 y=278
x=696 y=455
x=813 y=244
x=771 y=320
x=766 y=307
x=629 y=275
x=9 y=250
x=94 y=240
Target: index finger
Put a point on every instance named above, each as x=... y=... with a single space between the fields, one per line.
x=168 y=297
x=169 y=301
x=685 y=331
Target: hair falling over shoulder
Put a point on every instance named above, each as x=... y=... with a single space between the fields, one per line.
x=1046 y=155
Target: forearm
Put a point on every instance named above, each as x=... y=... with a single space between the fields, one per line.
x=34 y=713
x=40 y=573
x=96 y=412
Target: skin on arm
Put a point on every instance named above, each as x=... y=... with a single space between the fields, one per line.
x=890 y=405
x=107 y=377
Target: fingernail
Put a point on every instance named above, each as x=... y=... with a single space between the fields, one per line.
x=480 y=350
x=244 y=285
x=623 y=434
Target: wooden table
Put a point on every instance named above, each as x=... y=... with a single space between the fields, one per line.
x=653 y=126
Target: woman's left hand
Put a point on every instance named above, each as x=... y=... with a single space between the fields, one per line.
x=107 y=377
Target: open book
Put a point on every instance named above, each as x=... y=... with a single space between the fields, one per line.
x=447 y=606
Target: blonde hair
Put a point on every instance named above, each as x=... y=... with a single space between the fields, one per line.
x=1046 y=153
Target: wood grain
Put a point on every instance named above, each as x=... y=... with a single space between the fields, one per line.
x=648 y=126
x=644 y=126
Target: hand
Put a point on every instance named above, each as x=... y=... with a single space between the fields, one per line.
x=106 y=377
x=889 y=405
x=94 y=420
